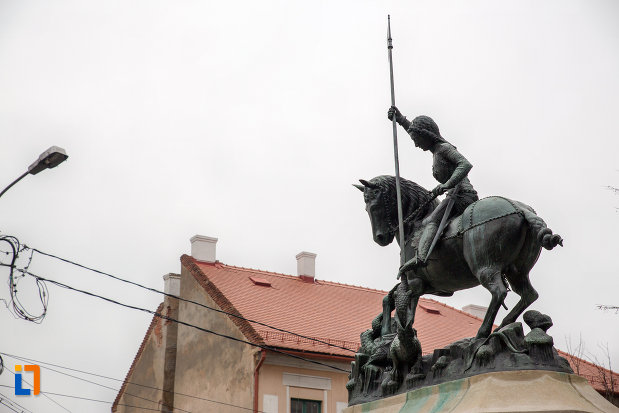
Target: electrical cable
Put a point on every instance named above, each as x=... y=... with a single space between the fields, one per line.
x=184 y=299
x=165 y=317
x=104 y=386
x=44 y=363
x=14 y=403
x=43 y=393
x=19 y=310
x=4 y=404
x=107 y=387
x=89 y=399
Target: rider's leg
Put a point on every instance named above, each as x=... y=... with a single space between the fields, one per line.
x=430 y=228
x=429 y=232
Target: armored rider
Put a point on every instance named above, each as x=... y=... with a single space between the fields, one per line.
x=449 y=167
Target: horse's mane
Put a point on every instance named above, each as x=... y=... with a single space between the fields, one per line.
x=413 y=195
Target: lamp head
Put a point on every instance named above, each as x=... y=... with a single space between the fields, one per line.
x=51 y=158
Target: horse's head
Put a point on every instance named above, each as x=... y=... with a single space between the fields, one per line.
x=379 y=195
x=377 y=204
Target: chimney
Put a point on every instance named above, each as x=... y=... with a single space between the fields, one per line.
x=203 y=248
x=306 y=266
x=478 y=311
x=172 y=284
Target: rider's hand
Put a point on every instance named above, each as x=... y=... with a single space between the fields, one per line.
x=394 y=111
x=439 y=190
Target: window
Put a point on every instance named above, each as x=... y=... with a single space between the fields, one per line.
x=305 y=406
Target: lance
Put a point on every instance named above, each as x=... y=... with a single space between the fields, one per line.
x=395 y=148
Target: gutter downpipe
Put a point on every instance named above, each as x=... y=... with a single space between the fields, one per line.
x=263 y=356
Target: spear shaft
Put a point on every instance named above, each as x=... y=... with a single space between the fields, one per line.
x=395 y=148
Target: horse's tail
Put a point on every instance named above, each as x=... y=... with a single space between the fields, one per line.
x=544 y=235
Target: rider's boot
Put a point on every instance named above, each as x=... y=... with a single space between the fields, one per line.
x=419 y=260
x=429 y=232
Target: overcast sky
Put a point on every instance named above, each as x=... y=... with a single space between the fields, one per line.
x=249 y=121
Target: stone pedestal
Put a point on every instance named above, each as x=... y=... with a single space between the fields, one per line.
x=505 y=391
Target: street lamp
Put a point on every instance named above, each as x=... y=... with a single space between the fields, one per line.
x=51 y=158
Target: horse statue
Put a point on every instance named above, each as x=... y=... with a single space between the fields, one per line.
x=494 y=242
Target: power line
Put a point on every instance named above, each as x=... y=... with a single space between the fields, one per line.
x=4 y=404
x=165 y=317
x=103 y=385
x=18 y=308
x=44 y=363
x=44 y=395
x=185 y=299
x=14 y=403
x=89 y=399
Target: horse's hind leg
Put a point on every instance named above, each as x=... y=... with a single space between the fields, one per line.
x=521 y=285
x=490 y=277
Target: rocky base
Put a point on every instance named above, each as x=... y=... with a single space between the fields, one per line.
x=507 y=349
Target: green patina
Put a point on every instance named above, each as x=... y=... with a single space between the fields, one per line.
x=416 y=399
x=450 y=392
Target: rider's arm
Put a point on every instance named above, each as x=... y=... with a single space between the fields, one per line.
x=454 y=157
x=399 y=118
x=405 y=123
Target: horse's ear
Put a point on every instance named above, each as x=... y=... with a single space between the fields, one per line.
x=368 y=184
x=359 y=187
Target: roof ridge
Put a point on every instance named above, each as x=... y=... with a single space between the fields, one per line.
x=296 y=277
x=247 y=269
x=334 y=283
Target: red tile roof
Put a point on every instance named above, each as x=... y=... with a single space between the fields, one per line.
x=330 y=312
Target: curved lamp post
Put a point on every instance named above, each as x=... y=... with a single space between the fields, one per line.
x=51 y=158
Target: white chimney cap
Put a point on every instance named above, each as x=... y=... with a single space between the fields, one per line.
x=172 y=284
x=306 y=265
x=203 y=248
x=476 y=310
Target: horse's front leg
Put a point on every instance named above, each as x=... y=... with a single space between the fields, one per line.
x=417 y=288
x=388 y=306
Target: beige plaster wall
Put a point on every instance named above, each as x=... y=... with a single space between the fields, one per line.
x=148 y=371
x=271 y=383
x=208 y=366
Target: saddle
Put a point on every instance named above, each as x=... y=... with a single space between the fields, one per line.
x=478 y=214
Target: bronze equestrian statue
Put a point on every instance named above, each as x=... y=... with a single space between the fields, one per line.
x=492 y=242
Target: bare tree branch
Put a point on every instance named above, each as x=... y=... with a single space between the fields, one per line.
x=575 y=354
x=605 y=375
